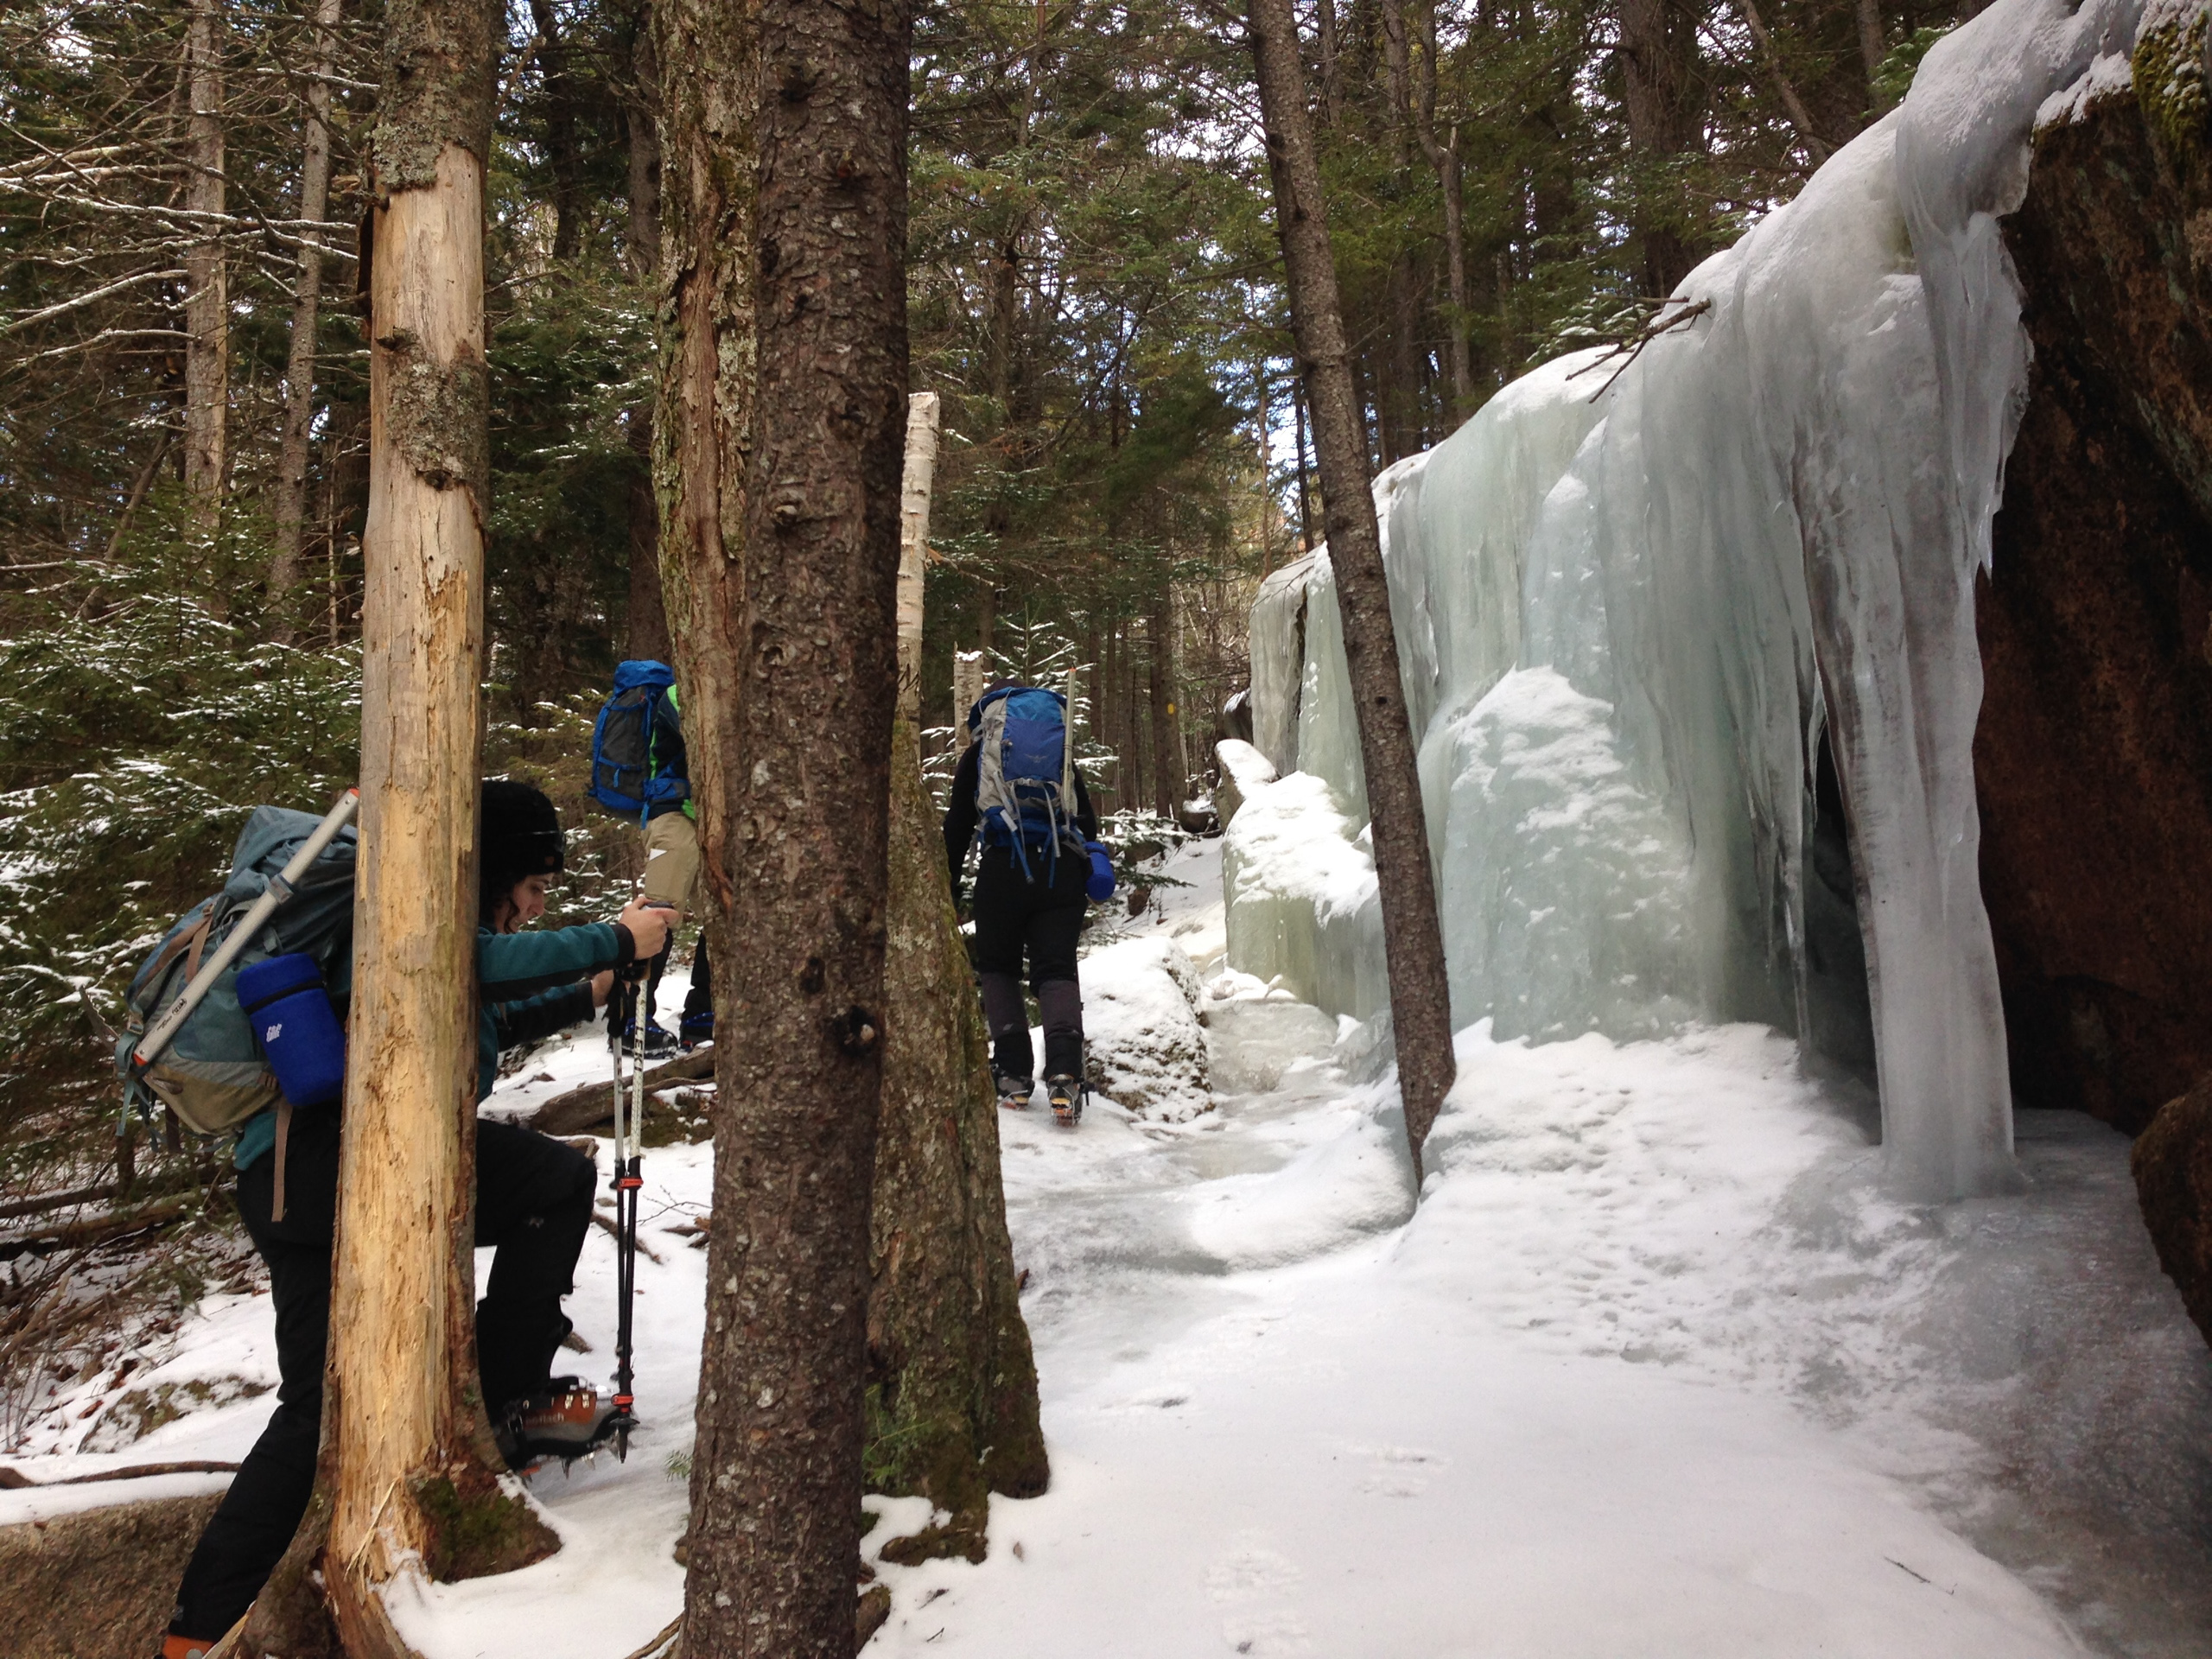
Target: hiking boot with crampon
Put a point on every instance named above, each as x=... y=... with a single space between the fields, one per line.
x=568 y=1421
x=1014 y=1092
x=1066 y=1094
x=660 y=1042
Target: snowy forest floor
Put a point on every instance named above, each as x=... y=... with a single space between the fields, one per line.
x=1655 y=1369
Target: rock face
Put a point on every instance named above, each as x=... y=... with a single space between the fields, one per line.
x=98 y=1584
x=2094 y=754
x=2173 y=1178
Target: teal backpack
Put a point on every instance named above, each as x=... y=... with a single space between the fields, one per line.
x=213 y=1074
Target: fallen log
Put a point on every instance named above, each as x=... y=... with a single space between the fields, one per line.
x=99 y=1229
x=14 y=1480
x=168 y=1182
x=594 y=1103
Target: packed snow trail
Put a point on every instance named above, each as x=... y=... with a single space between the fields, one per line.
x=1654 y=1370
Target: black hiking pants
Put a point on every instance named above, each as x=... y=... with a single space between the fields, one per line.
x=533 y=1202
x=1041 y=918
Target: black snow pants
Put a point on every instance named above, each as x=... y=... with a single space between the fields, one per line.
x=533 y=1202
x=1042 y=918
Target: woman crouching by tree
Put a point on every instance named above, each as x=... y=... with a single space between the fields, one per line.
x=533 y=1205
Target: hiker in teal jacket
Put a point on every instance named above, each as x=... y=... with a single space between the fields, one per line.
x=533 y=1203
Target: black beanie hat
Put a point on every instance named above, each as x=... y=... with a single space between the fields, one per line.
x=521 y=835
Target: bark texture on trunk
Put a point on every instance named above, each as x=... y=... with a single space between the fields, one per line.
x=791 y=681
x=415 y=1465
x=291 y=493
x=1658 y=44
x=1414 y=942
x=646 y=615
x=952 y=1394
x=207 y=301
x=560 y=128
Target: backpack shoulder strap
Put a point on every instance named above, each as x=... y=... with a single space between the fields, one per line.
x=193 y=939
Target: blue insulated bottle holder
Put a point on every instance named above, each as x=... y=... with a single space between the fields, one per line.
x=1100 y=887
x=290 y=1010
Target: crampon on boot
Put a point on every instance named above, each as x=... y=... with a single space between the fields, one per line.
x=1065 y=1094
x=660 y=1041
x=1014 y=1092
x=568 y=1421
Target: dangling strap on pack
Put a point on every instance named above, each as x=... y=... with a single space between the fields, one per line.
x=283 y=1135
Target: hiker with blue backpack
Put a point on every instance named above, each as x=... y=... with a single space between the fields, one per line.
x=1041 y=862
x=639 y=770
x=263 y=1054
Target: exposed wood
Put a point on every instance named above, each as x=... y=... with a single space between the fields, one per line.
x=1413 y=939
x=922 y=416
x=401 y=1411
x=288 y=504
x=15 y=1480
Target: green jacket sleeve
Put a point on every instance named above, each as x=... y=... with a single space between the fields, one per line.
x=512 y=966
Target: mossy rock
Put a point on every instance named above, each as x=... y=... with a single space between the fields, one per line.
x=99 y=1584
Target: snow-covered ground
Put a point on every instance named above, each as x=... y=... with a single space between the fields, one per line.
x=1653 y=1370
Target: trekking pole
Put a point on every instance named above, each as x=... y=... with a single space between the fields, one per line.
x=166 y=1028
x=629 y=1182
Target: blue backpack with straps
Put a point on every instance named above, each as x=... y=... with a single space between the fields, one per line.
x=638 y=731
x=1024 y=785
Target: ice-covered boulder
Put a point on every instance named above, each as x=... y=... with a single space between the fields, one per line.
x=1144 y=1046
x=1244 y=770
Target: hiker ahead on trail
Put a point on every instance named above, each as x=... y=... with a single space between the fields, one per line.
x=533 y=1202
x=1018 y=785
x=640 y=769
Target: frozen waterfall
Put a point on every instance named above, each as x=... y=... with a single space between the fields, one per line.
x=1661 y=642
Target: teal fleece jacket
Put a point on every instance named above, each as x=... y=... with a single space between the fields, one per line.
x=529 y=985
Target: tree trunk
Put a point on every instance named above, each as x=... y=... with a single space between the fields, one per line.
x=1800 y=118
x=291 y=493
x=952 y=1393
x=645 y=617
x=1658 y=45
x=1305 y=480
x=1170 y=770
x=922 y=416
x=1413 y=944
x=792 y=681
x=560 y=129
x=1444 y=159
x=207 y=304
x=415 y=1463
x=1333 y=83
x=1872 y=49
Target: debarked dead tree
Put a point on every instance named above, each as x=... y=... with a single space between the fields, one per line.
x=415 y=1476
